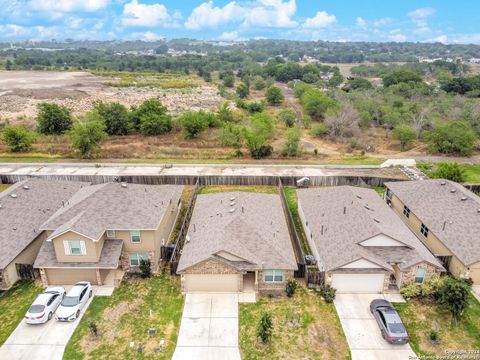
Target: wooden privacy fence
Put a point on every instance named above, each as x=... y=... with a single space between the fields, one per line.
x=315 y=278
x=178 y=246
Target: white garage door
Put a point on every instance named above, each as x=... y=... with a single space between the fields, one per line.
x=211 y=283
x=358 y=283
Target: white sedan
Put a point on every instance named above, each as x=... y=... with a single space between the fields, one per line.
x=74 y=301
x=44 y=306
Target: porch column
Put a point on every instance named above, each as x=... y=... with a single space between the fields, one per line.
x=99 y=278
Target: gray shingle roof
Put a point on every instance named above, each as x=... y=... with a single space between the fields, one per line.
x=111 y=206
x=436 y=205
x=109 y=258
x=348 y=215
x=258 y=234
x=21 y=217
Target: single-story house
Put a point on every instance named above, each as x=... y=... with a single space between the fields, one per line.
x=360 y=243
x=237 y=242
x=24 y=207
x=445 y=216
x=106 y=229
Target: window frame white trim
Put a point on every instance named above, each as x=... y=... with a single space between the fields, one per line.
x=139 y=259
x=274 y=271
x=109 y=236
x=67 y=245
x=422 y=277
x=139 y=236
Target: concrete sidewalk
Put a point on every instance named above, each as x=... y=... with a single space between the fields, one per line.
x=209 y=328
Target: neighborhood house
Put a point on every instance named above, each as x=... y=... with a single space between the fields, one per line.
x=106 y=229
x=446 y=218
x=237 y=242
x=24 y=207
x=360 y=243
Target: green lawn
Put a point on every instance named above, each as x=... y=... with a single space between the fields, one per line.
x=229 y=188
x=14 y=304
x=304 y=327
x=292 y=201
x=472 y=172
x=419 y=315
x=125 y=317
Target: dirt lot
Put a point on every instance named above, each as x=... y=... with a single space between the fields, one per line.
x=21 y=91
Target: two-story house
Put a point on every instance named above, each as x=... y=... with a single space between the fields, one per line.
x=107 y=227
x=445 y=216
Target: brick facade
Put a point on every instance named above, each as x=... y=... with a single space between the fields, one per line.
x=125 y=262
x=265 y=288
x=409 y=277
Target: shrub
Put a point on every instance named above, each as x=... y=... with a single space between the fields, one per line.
x=231 y=135
x=259 y=83
x=292 y=143
x=319 y=129
x=410 y=290
x=152 y=124
x=449 y=171
x=291 y=287
x=265 y=327
x=92 y=326
x=433 y=335
x=288 y=117
x=243 y=91
x=145 y=268
x=401 y=76
x=194 y=122
x=454 y=138
x=431 y=287
x=317 y=103
x=225 y=114
x=18 y=138
x=229 y=81
x=87 y=134
x=148 y=107
x=274 y=95
x=404 y=134
x=328 y=293
x=116 y=117
x=53 y=119
x=262 y=152
x=365 y=120
x=454 y=295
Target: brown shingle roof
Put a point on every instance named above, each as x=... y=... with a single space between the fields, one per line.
x=343 y=216
x=111 y=206
x=455 y=222
x=22 y=216
x=258 y=234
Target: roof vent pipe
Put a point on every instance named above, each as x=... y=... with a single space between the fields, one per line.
x=443 y=182
x=453 y=191
x=344 y=210
x=124 y=185
x=26 y=187
x=464 y=198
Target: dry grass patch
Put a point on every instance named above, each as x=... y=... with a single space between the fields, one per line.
x=304 y=327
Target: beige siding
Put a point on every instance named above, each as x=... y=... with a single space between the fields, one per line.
x=457 y=268
x=94 y=249
x=475 y=273
x=70 y=276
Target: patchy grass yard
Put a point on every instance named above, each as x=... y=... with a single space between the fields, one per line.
x=292 y=201
x=472 y=173
x=14 y=303
x=125 y=317
x=4 y=187
x=304 y=327
x=419 y=315
x=228 y=188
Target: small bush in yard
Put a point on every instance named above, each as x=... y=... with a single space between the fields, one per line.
x=145 y=268
x=291 y=287
x=430 y=287
x=454 y=295
x=328 y=293
x=433 y=336
x=410 y=290
x=265 y=327
x=18 y=138
x=92 y=326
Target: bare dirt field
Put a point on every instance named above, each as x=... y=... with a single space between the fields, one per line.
x=22 y=91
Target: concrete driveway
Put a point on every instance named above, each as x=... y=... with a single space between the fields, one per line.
x=209 y=328
x=40 y=342
x=362 y=332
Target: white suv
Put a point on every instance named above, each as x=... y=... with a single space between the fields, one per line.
x=74 y=301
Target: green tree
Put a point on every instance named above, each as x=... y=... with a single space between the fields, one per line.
x=358 y=83
x=317 y=103
x=87 y=134
x=265 y=327
x=8 y=65
x=456 y=137
x=291 y=287
x=454 y=295
x=450 y=171
x=259 y=83
x=148 y=107
x=257 y=135
x=18 y=138
x=53 y=119
x=405 y=135
x=335 y=80
x=288 y=117
x=193 y=123
x=231 y=135
x=243 y=91
x=116 y=118
x=153 y=124
x=401 y=76
x=229 y=81
x=274 y=95
x=292 y=143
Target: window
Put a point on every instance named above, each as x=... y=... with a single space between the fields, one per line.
x=406 y=212
x=274 y=275
x=74 y=247
x=135 y=236
x=389 y=194
x=136 y=258
x=420 y=275
x=111 y=234
x=424 y=230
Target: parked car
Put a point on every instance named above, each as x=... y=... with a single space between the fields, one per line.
x=391 y=326
x=74 y=301
x=44 y=306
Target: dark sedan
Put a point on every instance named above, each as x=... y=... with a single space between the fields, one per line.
x=391 y=326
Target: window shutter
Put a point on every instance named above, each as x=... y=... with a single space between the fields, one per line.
x=66 y=245
x=83 y=248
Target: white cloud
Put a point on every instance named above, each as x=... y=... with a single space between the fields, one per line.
x=13 y=30
x=145 y=15
x=441 y=39
x=397 y=36
x=321 y=20
x=229 y=36
x=207 y=16
x=68 y=5
x=150 y=36
x=361 y=23
x=421 y=13
x=272 y=13
x=382 y=22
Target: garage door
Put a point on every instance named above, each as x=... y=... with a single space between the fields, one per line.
x=70 y=276
x=358 y=283
x=211 y=283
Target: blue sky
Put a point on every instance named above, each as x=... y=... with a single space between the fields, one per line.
x=444 y=21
